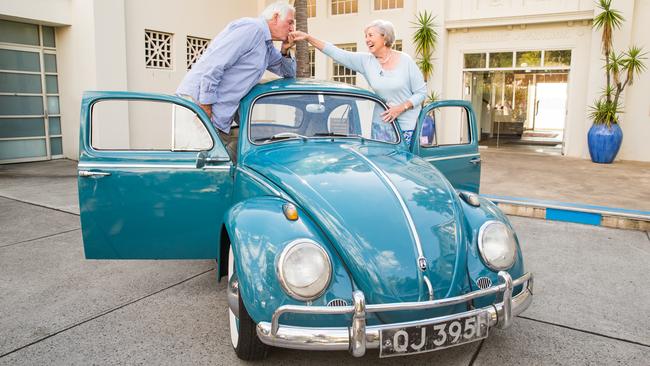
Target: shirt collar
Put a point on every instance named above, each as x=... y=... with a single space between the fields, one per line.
x=265 y=29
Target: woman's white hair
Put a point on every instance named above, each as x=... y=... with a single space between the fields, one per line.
x=281 y=7
x=385 y=28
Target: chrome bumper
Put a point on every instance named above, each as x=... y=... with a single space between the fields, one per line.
x=359 y=337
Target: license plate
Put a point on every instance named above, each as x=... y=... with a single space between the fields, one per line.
x=434 y=336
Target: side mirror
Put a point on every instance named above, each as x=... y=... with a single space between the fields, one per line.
x=201 y=159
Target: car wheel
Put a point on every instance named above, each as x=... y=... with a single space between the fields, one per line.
x=242 y=329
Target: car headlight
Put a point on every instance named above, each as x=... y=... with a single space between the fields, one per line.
x=497 y=245
x=304 y=269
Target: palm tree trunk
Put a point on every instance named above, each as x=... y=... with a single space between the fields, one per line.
x=302 y=48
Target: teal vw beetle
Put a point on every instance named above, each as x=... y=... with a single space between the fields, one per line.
x=332 y=233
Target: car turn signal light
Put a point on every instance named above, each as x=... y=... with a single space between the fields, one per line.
x=290 y=211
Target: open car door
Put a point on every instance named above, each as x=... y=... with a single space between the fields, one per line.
x=154 y=178
x=446 y=135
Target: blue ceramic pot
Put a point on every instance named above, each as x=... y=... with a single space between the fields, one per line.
x=604 y=142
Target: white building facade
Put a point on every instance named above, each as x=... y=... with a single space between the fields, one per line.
x=531 y=68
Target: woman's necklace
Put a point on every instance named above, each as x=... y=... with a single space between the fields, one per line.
x=386 y=58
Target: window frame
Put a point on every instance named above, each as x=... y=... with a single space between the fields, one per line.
x=388 y=6
x=435 y=131
x=343 y=3
x=354 y=95
x=351 y=47
x=142 y=151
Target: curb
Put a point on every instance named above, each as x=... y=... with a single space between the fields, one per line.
x=616 y=218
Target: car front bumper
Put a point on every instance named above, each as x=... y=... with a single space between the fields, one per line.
x=359 y=337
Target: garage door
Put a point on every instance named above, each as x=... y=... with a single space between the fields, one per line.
x=30 y=119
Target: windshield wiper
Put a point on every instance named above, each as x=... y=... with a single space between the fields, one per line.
x=337 y=134
x=332 y=134
x=282 y=136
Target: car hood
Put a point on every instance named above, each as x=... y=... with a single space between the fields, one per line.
x=343 y=187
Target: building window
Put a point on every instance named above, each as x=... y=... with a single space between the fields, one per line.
x=344 y=7
x=195 y=47
x=311 y=8
x=560 y=58
x=528 y=59
x=501 y=59
x=388 y=4
x=157 y=50
x=342 y=73
x=312 y=62
x=397 y=46
x=475 y=60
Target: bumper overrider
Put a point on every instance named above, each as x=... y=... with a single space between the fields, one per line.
x=358 y=337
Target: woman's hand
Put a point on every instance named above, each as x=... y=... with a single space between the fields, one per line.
x=299 y=36
x=288 y=43
x=302 y=36
x=393 y=112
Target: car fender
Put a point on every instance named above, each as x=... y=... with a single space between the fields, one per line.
x=475 y=217
x=258 y=231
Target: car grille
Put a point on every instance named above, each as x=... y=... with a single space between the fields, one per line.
x=484 y=282
x=337 y=302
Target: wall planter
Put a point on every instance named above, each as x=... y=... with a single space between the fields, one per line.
x=604 y=142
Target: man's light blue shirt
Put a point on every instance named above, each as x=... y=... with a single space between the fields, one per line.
x=231 y=66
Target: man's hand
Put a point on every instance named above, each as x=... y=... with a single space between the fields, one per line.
x=207 y=108
x=288 y=43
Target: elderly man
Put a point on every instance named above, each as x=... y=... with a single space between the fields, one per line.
x=234 y=63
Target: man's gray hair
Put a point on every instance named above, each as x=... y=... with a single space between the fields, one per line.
x=281 y=7
x=385 y=28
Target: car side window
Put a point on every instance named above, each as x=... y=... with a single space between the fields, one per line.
x=144 y=125
x=445 y=126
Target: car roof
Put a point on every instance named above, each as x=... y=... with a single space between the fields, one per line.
x=305 y=84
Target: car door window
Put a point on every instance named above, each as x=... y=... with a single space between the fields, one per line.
x=444 y=126
x=144 y=125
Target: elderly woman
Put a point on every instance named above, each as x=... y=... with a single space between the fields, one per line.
x=391 y=74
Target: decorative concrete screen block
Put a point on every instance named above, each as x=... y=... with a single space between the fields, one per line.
x=157 y=50
x=195 y=47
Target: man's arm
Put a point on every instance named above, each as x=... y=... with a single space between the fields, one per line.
x=281 y=63
x=228 y=49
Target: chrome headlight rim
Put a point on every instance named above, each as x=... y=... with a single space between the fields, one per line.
x=481 y=248
x=279 y=268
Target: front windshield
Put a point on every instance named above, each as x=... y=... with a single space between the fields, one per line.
x=284 y=116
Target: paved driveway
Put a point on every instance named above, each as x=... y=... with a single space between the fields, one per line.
x=590 y=307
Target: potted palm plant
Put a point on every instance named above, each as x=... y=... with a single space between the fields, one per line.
x=605 y=135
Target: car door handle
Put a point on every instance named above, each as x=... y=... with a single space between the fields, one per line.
x=475 y=161
x=86 y=173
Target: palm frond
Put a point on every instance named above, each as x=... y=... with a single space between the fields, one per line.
x=633 y=62
x=609 y=19
x=604 y=112
x=426 y=66
x=432 y=97
x=425 y=39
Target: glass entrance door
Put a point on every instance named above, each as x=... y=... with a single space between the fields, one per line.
x=518 y=106
x=30 y=120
